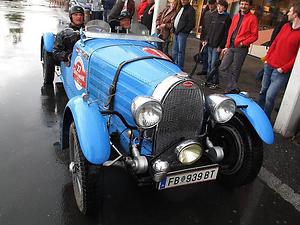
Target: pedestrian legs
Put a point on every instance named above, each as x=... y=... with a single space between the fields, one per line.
x=271 y=84
x=226 y=62
x=178 y=52
x=209 y=59
x=238 y=61
x=231 y=66
x=205 y=59
x=175 y=49
x=265 y=83
x=212 y=72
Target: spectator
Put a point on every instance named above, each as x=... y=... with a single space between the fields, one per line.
x=107 y=6
x=242 y=32
x=96 y=7
x=140 y=9
x=276 y=30
x=148 y=14
x=207 y=18
x=165 y=22
x=121 y=5
x=278 y=27
x=183 y=24
x=216 y=40
x=280 y=59
x=66 y=39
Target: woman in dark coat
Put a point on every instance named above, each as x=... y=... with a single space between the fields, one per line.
x=164 y=24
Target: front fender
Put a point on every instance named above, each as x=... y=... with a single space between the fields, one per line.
x=48 y=41
x=256 y=117
x=91 y=130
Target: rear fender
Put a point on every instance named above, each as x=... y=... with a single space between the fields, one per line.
x=91 y=129
x=256 y=117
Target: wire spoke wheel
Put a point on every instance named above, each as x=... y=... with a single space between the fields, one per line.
x=86 y=178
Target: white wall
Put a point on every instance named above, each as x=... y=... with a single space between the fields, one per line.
x=288 y=118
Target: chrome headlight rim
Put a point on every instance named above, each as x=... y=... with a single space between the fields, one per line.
x=220 y=104
x=146 y=103
x=184 y=147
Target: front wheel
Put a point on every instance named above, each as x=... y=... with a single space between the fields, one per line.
x=48 y=67
x=86 y=178
x=243 y=151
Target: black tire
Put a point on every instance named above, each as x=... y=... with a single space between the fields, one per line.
x=243 y=151
x=87 y=179
x=48 y=67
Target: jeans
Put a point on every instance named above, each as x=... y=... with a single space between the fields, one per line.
x=178 y=51
x=270 y=86
x=212 y=70
x=205 y=59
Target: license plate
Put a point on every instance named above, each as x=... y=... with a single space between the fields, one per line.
x=184 y=177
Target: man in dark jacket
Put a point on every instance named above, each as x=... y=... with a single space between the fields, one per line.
x=66 y=39
x=121 y=5
x=183 y=24
x=206 y=24
x=215 y=41
x=107 y=6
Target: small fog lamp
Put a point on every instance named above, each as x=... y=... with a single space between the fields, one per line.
x=188 y=152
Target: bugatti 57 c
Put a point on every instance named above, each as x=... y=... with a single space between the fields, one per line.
x=130 y=106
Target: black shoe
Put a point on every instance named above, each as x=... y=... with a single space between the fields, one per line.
x=233 y=91
x=213 y=86
x=205 y=84
x=202 y=73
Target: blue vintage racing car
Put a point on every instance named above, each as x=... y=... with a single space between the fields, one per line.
x=131 y=106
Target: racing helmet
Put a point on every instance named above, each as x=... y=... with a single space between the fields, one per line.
x=75 y=9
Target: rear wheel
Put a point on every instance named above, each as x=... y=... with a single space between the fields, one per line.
x=86 y=178
x=48 y=67
x=243 y=151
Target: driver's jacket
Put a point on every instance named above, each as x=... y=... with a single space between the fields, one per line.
x=64 y=42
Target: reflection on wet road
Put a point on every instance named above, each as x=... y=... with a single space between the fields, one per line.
x=35 y=182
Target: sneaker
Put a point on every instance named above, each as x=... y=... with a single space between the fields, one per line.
x=202 y=73
x=233 y=91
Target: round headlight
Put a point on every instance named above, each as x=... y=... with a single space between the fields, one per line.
x=221 y=107
x=188 y=152
x=146 y=111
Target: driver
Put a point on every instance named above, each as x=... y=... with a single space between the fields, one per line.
x=122 y=23
x=66 y=39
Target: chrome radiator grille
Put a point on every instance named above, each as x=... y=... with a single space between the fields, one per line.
x=183 y=109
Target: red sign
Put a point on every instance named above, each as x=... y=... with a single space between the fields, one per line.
x=79 y=73
x=156 y=52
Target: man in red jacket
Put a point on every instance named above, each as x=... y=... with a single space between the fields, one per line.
x=242 y=32
x=280 y=60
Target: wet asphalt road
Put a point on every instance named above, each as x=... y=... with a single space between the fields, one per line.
x=35 y=185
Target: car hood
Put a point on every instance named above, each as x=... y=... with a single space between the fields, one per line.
x=116 y=52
